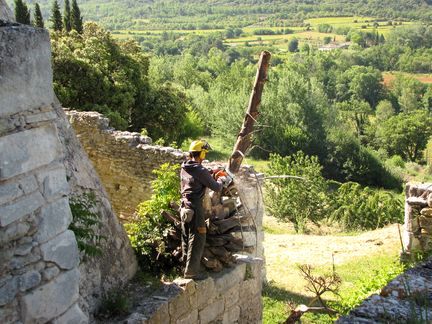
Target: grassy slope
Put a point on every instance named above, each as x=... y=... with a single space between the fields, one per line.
x=356 y=257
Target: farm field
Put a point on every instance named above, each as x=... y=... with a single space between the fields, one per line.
x=389 y=77
x=279 y=39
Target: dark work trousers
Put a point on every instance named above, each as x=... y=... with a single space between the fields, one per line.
x=193 y=239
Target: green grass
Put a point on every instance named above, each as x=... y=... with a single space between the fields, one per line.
x=360 y=278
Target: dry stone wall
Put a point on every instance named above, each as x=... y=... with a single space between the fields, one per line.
x=123 y=160
x=231 y=296
x=43 y=276
x=406 y=299
x=417 y=236
x=39 y=276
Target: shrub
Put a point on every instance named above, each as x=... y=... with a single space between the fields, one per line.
x=148 y=231
x=296 y=200
x=357 y=208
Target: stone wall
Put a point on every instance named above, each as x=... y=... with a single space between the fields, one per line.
x=123 y=160
x=417 y=234
x=406 y=299
x=231 y=296
x=39 y=276
x=5 y=12
x=43 y=276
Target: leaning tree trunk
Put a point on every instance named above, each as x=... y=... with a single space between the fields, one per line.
x=244 y=138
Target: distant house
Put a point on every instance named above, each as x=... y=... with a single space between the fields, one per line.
x=334 y=46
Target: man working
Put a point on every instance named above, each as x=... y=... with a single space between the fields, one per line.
x=194 y=180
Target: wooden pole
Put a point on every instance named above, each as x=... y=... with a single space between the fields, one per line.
x=244 y=138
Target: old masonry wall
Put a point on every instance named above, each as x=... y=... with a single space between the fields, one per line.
x=125 y=162
x=39 y=257
x=43 y=276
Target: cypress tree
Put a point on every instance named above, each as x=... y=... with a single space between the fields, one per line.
x=76 y=19
x=22 y=14
x=38 y=19
x=67 y=17
x=56 y=18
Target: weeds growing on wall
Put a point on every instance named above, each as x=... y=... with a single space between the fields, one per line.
x=147 y=232
x=85 y=224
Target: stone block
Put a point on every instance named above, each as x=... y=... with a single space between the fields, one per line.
x=8 y=290
x=429 y=200
x=427 y=212
x=25 y=151
x=62 y=250
x=28 y=184
x=231 y=315
x=179 y=305
x=26 y=69
x=190 y=318
x=158 y=315
x=19 y=262
x=9 y=192
x=250 y=288
x=43 y=116
x=55 y=219
x=205 y=290
x=50 y=273
x=54 y=182
x=229 y=278
x=13 y=232
x=50 y=300
x=73 y=315
x=20 y=208
x=23 y=249
x=212 y=311
x=232 y=296
x=29 y=280
x=5 y=13
x=416 y=201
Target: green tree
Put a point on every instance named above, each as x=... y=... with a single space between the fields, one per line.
x=22 y=13
x=38 y=19
x=56 y=18
x=406 y=134
x=356 y=112
x=76 y=19
x=360 y=83
x=67 y=17
x=297 y=200
x=384 y=111
x=293 y=45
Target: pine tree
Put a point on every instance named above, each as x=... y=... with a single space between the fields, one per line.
x=56 y=18
x=38 y=19
x=22 y=14
x=67 y=17
x=76 y=19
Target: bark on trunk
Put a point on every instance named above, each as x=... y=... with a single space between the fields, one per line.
x=244 y=138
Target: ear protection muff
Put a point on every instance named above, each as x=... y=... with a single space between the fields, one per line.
x=202 y=154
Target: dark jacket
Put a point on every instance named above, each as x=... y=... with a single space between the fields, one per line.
x=194 y=179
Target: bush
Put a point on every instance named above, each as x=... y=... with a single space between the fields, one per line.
x=357 y=208
x=292 y=199
x=148 y=231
